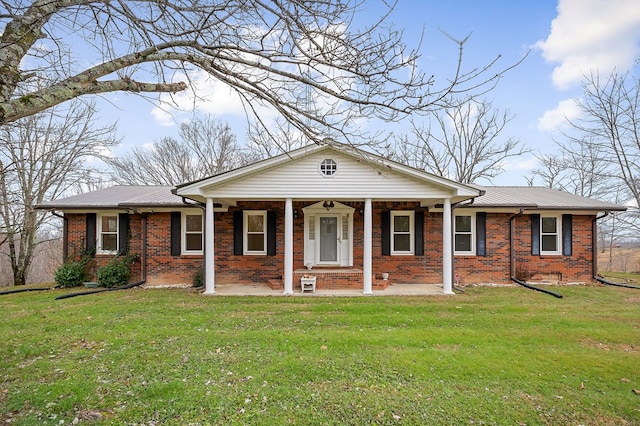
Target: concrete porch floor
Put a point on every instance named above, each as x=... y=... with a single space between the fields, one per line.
x=261 y=289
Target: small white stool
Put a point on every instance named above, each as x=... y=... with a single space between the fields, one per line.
x=308 y=284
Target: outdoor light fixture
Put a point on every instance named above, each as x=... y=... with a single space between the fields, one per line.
x=328 y=205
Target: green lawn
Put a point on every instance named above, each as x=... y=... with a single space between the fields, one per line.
x=490 y=356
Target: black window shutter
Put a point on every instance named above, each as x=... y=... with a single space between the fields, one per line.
x=237 y=232
x=386 y=233
x=481 y=234
x=123 y=234
x=567 y=234
x=418 y=222
x=176 y=233
x=535 y=234
x=271 y=233
x=91 y=232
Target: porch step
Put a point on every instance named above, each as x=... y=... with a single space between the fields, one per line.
x=325 y=282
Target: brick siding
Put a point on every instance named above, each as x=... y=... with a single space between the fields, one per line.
x=163 y=268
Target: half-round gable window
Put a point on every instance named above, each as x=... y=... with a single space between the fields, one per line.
x=328 y=167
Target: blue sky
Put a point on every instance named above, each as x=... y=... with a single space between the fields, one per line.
x=565 y=40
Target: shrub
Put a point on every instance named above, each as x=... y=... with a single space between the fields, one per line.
x=116 y=272
x=71 y=274
x=74 y=272
x=198 y=278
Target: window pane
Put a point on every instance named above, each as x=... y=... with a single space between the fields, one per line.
x=109 y=242
x=463 y=242
x=255 y=242
x=402 y=242
x=549 y=243
x=109 y=223
x=328 y=167
x=401 y=224
x=463 y=223
x=255 y=223
x=548 y=225
x=194 y=242
x=194 y=223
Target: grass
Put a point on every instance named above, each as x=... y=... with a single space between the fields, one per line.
x=622 y=277
x=489 y=356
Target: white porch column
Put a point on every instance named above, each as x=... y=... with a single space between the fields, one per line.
x=209 y=250
x=288 y=247
x=447 y=248
x=366 y=256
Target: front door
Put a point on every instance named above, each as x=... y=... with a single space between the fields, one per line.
x=328 y=239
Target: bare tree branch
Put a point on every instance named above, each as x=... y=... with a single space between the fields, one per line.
x=462 y=143
x=265 y=51
x=206 y=147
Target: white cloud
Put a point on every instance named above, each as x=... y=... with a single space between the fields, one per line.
x=520 y=165
x=205 y=94
x=592 y=34
x=553 y=119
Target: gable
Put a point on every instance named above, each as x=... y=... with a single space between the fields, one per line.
x=355 y=177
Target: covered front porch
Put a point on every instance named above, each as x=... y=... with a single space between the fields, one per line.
x=341 y=247
x=336 y=210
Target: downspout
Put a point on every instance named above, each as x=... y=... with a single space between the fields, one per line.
x=594 y=246
x=596 y=276
x=143 y=257
x=453 y=258
x=65 y=234
x=512 y=263
x=512 y=249
x=203 y=207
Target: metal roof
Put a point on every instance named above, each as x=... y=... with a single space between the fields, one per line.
x=540 y=198
x=118 y=197
x=524 y=197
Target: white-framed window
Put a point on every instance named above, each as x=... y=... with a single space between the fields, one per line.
x=463 y=234
x=328 y=167
x=192 y=226
x=550 y=234
x=107 y=233
x=402 y=237
x=255 y=232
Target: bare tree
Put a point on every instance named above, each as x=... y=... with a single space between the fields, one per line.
x=206 y=147
x=462 y=142
x=265 y=51
x=268 y=142
x=581 y=167
x=41 y=157
x=610 y=124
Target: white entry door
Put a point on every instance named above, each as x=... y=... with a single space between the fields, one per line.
x=329 y=239
x=328 y=235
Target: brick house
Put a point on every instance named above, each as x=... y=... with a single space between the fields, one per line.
x=348 y=215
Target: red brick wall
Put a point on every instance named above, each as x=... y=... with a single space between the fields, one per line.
x=162 y=268
x=495 y=266
x=577 y=267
